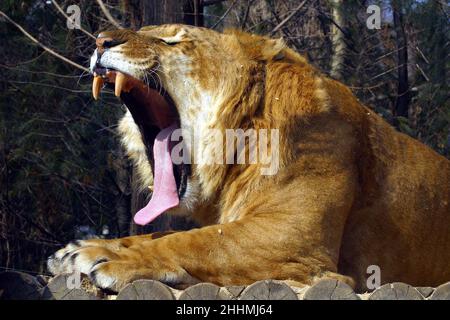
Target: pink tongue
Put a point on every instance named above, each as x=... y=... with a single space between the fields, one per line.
x=165 y=194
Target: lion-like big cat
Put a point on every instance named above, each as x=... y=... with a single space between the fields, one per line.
x=350 y=191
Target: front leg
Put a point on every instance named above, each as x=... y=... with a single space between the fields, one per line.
x=285 y=238
x=240 y=252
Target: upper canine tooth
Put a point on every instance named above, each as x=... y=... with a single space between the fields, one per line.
x=119 y=84
x=97 y=86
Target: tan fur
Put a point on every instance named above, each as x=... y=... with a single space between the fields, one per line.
x=350 y=192
x=132 y=141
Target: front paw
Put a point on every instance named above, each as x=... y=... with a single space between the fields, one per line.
x=84 y=256
x=112 y=264
x=57 y=262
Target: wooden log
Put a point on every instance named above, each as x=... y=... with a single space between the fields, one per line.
x=205 y=291
x=330 y=289
x=19 y=286
x=396 y=291
x=442 y=292
x=426 y=292
x=43 y=280
x=235 y=291
x=145 y=290
x=268 y=290
x=68 y=287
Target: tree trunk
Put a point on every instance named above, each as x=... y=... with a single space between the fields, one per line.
x=403 y=96
x=156 y=12
x=338 y=41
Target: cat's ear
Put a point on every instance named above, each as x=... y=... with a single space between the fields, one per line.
x=273 y=49
x=180 y=36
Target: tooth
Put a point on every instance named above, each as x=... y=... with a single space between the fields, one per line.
x=120 y=83
x=97 y=86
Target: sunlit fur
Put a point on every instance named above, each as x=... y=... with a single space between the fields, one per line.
x=351 y=191
x=134 y=145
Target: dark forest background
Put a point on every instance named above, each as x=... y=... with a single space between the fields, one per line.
x=63 y=174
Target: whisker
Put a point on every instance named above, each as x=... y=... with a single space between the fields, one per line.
x=83 y=74
x=160 y=69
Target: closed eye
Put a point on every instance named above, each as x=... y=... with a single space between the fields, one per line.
x=170 y=43
x=112 y=43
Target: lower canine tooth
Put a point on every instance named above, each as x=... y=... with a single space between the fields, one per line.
x=97 y=86
x=119 y=83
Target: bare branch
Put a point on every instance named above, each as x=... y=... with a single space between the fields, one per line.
x=42 y=45
x=247 y=11
x=46 y=85
x=423 y=72
x=67 y=17
x=108 y=14
x=59 y=75
x=224 y=15
x=282 y=23
x=423 y=56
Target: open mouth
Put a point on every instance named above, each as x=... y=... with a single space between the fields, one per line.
x=155 y=114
